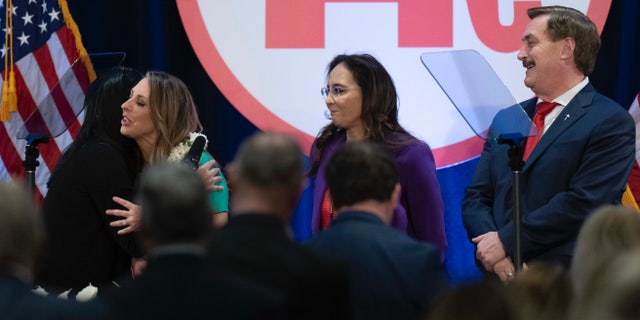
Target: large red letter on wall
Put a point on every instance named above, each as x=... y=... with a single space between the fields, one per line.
x=485 y=20
x=300 y=24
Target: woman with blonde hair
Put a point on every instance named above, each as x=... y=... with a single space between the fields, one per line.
x=161 y=116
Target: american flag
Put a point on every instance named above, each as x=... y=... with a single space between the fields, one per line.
x=53 y=72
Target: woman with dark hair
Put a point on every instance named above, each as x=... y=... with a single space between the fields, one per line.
x=81 y=248
x=363 y=105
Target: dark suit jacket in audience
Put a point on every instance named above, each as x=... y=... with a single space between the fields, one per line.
x=258 y=247
x=393 y=275
x=17 y=301
x=180 y=284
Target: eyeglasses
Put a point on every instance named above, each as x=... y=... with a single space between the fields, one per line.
x=333 y=92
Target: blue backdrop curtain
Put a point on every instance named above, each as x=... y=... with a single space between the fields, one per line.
x=151 y=33
x=617 y=72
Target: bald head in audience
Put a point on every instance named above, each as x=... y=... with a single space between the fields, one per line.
x=266 y=180
x=267 y=175
x=175 y=207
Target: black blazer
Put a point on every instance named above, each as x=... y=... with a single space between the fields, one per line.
x=182 y=285
x=81 y=247
x=393 y=276
x=17 y=301
x=257 y=247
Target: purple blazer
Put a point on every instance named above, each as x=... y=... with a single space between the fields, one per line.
x=420 y=213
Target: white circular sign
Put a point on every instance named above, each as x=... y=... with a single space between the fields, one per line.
x=269 y=57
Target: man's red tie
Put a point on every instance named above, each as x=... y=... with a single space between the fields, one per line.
x=542 y=111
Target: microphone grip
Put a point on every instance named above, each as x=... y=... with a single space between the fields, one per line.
x=192 y=157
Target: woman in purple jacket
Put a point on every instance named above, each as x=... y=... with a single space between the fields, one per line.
x=362 y=103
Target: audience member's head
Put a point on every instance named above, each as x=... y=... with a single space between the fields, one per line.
x=361 y=173
x=543 y=291
x=174 y=203
x=613 y=290
x=20 y=232
x=21 y=235
x=606 y=232
x=267 y=174
x=482 y=300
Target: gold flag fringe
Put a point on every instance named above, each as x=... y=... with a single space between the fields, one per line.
x=9 y=101
x=71 y=24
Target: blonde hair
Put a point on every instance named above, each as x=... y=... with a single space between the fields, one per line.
x=543 y=291
x=612 y=291
x=173 y=112
x=608 y=231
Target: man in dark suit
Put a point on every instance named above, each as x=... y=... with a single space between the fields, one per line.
x=393 y=276
x=178 y=282
x=20 y=237
x=581 y=161
x=267 y=178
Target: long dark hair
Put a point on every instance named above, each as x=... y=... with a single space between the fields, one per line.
x=379 y=106
x=102 y=116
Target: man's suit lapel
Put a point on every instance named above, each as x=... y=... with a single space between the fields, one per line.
x=565 y=120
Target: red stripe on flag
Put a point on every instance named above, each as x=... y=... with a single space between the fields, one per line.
x=10 y=155
x=49 y=151
x=28 y=111
x=68 y=42
x=11 y=159
x=43 y=57
x=66 y=112
x=45 y=63
x=26 y=106
x=82 y=74
x=74 y=128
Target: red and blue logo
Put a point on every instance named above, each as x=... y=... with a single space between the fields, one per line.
x=269 y=57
